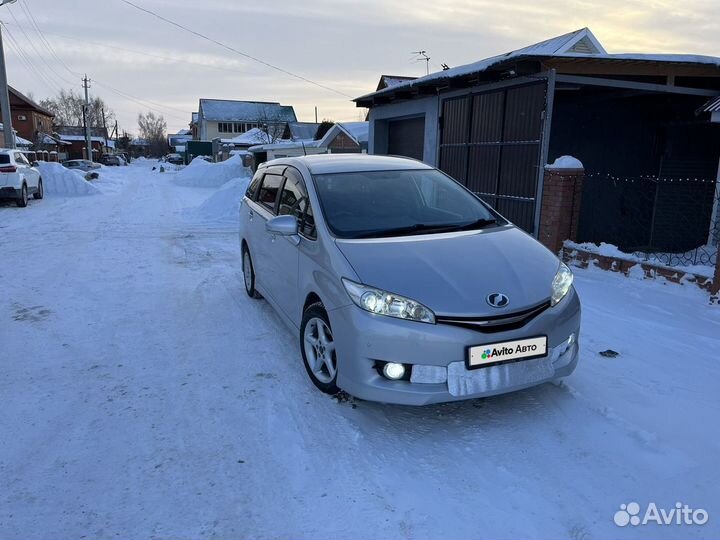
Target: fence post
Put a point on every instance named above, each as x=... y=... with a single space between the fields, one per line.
x=715 y=287
x=561 y=198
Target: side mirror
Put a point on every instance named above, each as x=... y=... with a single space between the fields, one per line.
x=34 y=164
x=282 y=225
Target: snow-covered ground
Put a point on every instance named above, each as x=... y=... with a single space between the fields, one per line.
x=143 y=394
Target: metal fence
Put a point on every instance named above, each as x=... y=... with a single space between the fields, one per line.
x=672 y=221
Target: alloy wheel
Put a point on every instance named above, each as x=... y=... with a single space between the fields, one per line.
x=320 y=350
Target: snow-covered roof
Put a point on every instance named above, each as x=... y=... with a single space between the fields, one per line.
x=94 y=138
x=224 y=110
x=19 y=141
x=578 y=44
x=387 y=81
x=139 y=142
x=357 y=131
x=183 y=132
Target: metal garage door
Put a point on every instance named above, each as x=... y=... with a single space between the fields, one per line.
x=407 y=137
x=492 y=143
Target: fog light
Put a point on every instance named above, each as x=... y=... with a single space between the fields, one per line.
x=393 y=371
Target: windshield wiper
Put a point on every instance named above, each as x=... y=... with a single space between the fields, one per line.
x=426 y=229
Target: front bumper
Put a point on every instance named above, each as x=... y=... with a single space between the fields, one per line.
x=362 y=339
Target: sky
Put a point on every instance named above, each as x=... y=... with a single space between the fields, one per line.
x=138 y=63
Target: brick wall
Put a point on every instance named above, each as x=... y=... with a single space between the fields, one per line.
x=560 y=209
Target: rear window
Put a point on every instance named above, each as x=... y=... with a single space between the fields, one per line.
x=4 y=159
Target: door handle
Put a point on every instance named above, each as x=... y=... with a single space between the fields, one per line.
x=251 y=214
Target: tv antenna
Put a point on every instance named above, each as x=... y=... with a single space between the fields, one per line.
x=423 y=56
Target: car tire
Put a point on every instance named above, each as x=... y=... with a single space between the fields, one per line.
x=22 y=200
x=318 y=349
x=40 y=193
x=249 y=274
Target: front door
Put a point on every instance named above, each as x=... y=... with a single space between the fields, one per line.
x=285 y=250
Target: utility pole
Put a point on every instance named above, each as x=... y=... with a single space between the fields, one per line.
x=316 y=114
x=86 y=113
x=105 y=133
x=4 y=94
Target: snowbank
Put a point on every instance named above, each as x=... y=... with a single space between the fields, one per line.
x=610 y=250
x=200 y=173
x=223 y=204
x=58 y=180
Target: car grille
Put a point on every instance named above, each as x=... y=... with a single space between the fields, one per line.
x=500 y=323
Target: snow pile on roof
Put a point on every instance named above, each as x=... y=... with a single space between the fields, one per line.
x=360 y=131
x=223 y=204
x=201 y=173
x=58 y=180
x=566 y=162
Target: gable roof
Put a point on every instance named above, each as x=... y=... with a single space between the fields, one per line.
x=65 y=132
x=357 y=131
x=29 y=102
x=386 y=81
x=580 y=44
x=225 y=110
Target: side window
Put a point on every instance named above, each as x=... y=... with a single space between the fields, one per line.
x=294 y=200
x=269 y=190
x=293 y=197
x=21 y=159
x=253 y=187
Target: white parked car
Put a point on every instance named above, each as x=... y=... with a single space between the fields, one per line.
x=19 y=178
x=84 y=165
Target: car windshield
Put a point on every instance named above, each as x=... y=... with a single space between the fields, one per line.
x=396 y=203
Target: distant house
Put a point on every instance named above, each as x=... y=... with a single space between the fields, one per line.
x=139 y=147
x=29 y=119
x=346 y=137
x=177 y=141
x=224 y=119
x=194 y=127
x=75 y=136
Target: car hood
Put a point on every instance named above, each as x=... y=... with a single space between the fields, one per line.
x=453 y=274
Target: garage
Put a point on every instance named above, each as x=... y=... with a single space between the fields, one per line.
x=407 y=137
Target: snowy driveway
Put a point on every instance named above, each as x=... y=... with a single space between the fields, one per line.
x=142 y=394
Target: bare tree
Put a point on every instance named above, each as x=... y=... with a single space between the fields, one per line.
x=68 y=105
x=154 y=130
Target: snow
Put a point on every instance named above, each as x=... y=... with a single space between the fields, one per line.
x=223 y=204
x=565 y=162
x=145 y=395
x=61 y=181
x=610 y=250
x=200 y=173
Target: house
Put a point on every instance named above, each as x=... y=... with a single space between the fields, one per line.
x=495 y=124
x=75 y=135
x=29 y=119
x=139 y=148
x=346 y=137
x=177 y=141
x=222 y=118
x=194 y=128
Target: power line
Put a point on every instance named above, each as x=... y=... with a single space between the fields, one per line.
x=232 y=49
x=43 y=39
x=18 y=50
x=32 y=44
x=139 y=101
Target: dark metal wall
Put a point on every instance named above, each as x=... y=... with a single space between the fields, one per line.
x=492 y=143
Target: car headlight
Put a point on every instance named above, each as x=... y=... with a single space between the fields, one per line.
x=386 y=303
x=561 y=284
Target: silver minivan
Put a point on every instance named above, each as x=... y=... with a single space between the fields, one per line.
x=401 y=285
